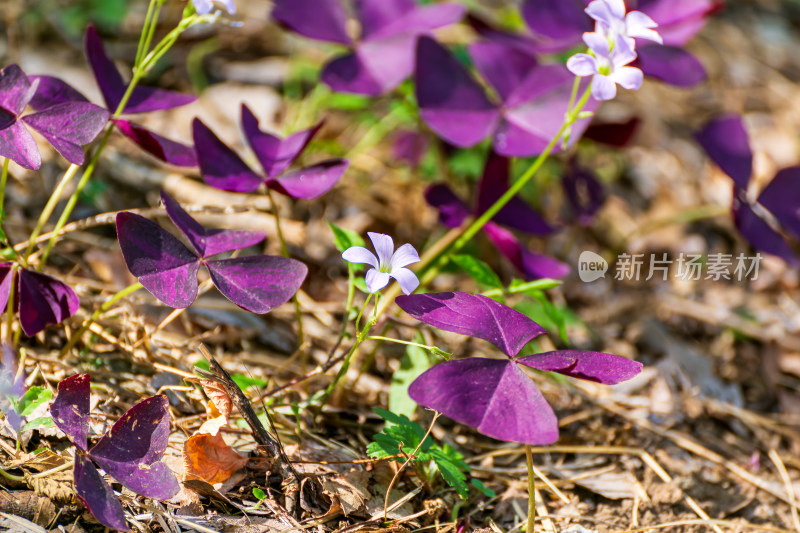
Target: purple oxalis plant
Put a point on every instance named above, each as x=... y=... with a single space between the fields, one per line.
x=530 y=108
x=168 y=269
x=222 y=168
x=52 y=90
x=495 y=396
x=66 y=125
x=39 y=299
x=726 y=142
x=130 y=452
x=516 y=214
x=383 y=55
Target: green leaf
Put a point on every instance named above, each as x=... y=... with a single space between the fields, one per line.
x=258 y=493
x=345 y=238
x=478 y=484
x=478 y=270
x=347 y=102
x=452 y=471
x=37 y=423
x=33 y=398
x=414 y=363
x=399 y=431
x=518 y=285
x=361 y=285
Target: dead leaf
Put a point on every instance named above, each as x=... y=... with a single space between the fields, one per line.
x=209 y=458
x=350 y=498
x=221 y=403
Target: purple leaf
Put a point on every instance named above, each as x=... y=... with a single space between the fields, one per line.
x=726 y=142
x=131 y=451
x=670 y=64
x=599 y=367
x=474 y=315
x=613 y=133
x=377 y=14
x=43 y=300
x=109 y=80
x=531 y=264
x=319 y=19
x=208 y=242
x=419 y=20
x=164 y=266
x=16 y=89
x=562 y=21
x=679 y=20
x=257 y=283
x=70 y=409
x=493 y=396
x=516 y=213
x=410 y=146
x=274 y=154
x=220 y=166
x=97 y=495
x=782 y=198
x=166 y=150
x=52 y=91
x=69 y=126
x=452 y=211
x=452 y=103
x=17 y=144
x=374 y=67
x=310 y=182
x=584 y=193
x=505 y=67
x=759 y=234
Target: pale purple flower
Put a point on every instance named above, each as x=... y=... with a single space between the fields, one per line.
x=613 y=22
x=606 y=66
x=204 y=7
x=388 y=263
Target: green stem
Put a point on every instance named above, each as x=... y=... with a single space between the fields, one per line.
x=130 y=289
x=146 y=34
x=12 y=477
x=531 y=489
x=3 y=180
x=49 y=207
x=433 y=349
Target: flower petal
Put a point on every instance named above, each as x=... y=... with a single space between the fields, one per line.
x=597 y=43
x=359 y=254
x=582 y=65
x=404 y=256
x=376 y=280
x=406 y=278
x=384 y=246
x=603 y=87
x=638 y=24
x=628 y=77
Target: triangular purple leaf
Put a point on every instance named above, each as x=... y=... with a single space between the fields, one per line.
x=452 y=103
x=208 y=242
x=18 y=145
x=562 y=21
x=679 y=20
x=452 y=211
x=274 y=154
x=491 y=395
x=375 y=67
x=6 y=279
x=97 y=495
x=167 y=150
x=69 y=126
x=220 y=166
x=530 y=264
x=378 y=14
x=474 y=315
x=516 y=213
x=726 y=142
x=257 y=283
x=759 y=234
x=670 y=64
x=43 y=300
x=319 y=19
x=131 y=451
x=505 y=67
x=52 y=91
x=599 y=367
x=420 y=20
x=164 y=266
x=16 y=89
x=782 y=198
x=70 y=409
x=310 y=182
x=112 y=87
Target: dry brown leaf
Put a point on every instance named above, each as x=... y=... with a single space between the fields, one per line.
x=350 y=498
x=209 y=458
x=220 y=403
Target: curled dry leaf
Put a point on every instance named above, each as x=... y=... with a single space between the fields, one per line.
x=210 y=459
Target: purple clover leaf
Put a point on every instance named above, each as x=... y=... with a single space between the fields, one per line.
x=495 y=396
x=383 y=56
x=530 y=110
x=66 y=125
x=726 y=142
x=52 y=90
x=606 y=66
x=223 y=169
x=168 y=269
x=516 y=214
x=389 y=263
x=130 y=452
x=39 y=299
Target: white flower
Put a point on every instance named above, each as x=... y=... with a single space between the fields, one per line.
x=606 y=66
x=388 y=263
x=204 y=7
x=613 y=22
